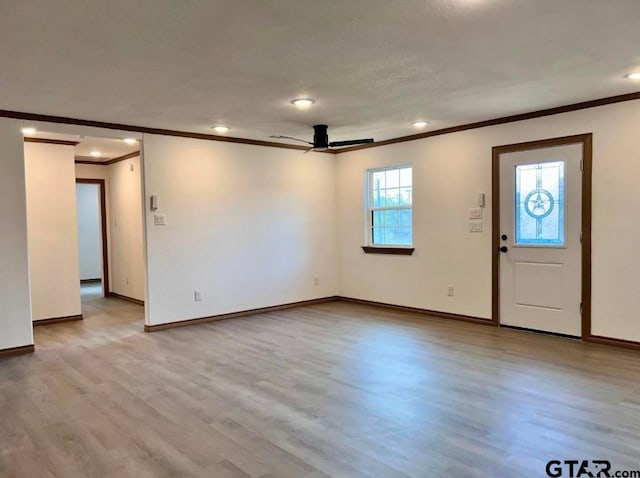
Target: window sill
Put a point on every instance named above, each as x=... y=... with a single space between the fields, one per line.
x=400 y=251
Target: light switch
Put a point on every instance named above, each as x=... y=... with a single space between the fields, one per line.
x=475 y=213
x=475 y=226
x=160 y=219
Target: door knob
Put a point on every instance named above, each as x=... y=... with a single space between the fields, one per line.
x=504 y=249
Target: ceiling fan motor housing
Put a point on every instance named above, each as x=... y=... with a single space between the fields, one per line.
x=320 y=137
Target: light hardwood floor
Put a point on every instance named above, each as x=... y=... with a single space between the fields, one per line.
x=335 y=389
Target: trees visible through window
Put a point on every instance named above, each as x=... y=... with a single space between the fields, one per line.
x=390 y=213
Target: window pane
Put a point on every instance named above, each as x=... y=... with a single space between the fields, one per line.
x=378 y=180
x=378 y=236
x=391 y=218
x=378 y=198
x=405 y=217
x=377 y=219
x=393 y=178
x=405 y=197
x=539 y=204
x=392 y=197
x=405 y=177
x=391 y=236
x=405 y=236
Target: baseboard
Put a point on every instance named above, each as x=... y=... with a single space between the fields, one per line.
x=128 y=299
x=57 y=320
x=90 y=281
x=232 y=315
x=401 y=308
x=415 y=310
x=627 y=344
x=25 y=349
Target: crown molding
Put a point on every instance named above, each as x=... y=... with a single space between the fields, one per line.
x=271 y=144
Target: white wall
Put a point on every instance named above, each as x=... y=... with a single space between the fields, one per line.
x=53 y=230
x=15 y=307
x=89 y=231
x=125 y=222
x=248 y=226
x=449 y=172
x=91 y=171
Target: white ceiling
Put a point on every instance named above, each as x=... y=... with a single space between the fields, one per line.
x=109 y=148
x=373 y=66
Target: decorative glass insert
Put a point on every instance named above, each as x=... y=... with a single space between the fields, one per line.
x=540 y=204
x=390 y=201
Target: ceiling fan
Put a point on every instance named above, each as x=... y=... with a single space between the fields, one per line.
x=321 y=140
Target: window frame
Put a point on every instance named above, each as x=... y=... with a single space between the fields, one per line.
x=397 y=249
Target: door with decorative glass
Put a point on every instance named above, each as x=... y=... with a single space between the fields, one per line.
x=540 y=239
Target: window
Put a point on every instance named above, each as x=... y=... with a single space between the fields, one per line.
x=539 y=201
x=390 y=215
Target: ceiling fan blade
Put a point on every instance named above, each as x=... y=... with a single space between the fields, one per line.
x=289 y=137
x=350 y=142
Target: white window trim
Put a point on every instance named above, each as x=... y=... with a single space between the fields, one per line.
x=368 y=208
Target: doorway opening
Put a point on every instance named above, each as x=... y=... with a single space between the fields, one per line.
x=541 y=245
x=86 y=231
x=92 y=237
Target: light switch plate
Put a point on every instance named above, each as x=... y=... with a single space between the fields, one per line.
x=159 y=219
x=475 y=226
x=475 y=213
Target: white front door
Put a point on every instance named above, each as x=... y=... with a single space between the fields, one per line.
x=540 y=283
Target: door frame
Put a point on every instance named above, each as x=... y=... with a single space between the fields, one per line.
x=106 y=291
x=587 y=153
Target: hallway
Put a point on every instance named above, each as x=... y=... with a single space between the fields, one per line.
x=106 y=320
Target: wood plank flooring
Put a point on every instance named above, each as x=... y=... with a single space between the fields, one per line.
x=335 y=389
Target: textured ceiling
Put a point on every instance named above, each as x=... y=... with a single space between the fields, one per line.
x=373 y=66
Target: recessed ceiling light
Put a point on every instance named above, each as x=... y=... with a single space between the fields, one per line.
x=420 y=124
x=28 y=130
x=303 y=102
x=221 y=129
x=95 y=154
x=633 y=76
x=130 y=140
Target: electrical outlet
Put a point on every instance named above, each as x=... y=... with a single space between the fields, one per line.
x=197 y=295
x=159 y=219
x=475 y=226
x=450 y=291
x=316 y=280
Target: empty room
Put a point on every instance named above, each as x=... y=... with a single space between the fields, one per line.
x=284 y=238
